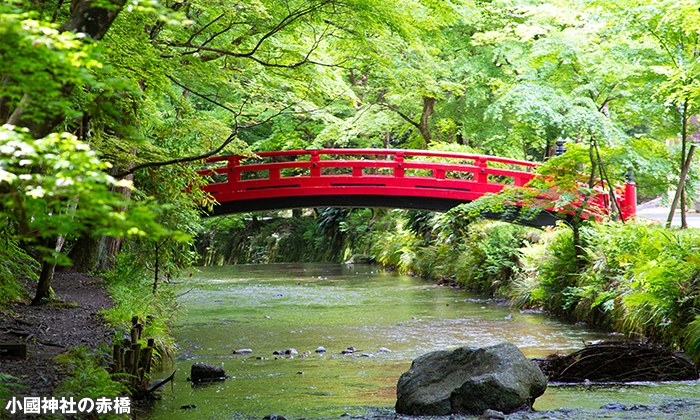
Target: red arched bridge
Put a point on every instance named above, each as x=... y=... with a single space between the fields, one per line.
x=409 y=179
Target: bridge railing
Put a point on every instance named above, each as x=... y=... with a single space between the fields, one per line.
x=399 y=170
x=479 y=169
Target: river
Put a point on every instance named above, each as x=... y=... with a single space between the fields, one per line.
x=304 y=306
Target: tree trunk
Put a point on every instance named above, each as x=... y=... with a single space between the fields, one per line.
x=85 y=254
x=4 y=107
x=684 y=220
x=110 y=246
x=685 y=164
x=424 y=124
x=684 y=145
x=681 y=185
x=43 y=288
x=460 y=139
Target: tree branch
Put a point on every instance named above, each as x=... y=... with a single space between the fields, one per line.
x=201 y=156
x=205 y=27
x=402 y=115
x=205 y=97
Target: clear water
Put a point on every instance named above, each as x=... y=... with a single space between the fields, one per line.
x=304 y=306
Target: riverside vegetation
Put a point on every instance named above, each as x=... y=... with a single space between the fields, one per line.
x=636 y=278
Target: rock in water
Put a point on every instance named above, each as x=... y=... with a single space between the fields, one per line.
x=206 y=371
x=469 y=380
x=492 y=415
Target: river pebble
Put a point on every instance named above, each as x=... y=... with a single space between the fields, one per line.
x=492 y=415
x=669 y=410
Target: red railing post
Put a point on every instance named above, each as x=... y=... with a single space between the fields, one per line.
x=629 y=199
x=481 y=176
x=315 y=161
x=234 y=173
x=399 y=170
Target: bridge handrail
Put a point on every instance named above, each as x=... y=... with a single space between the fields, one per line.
x=384 y=152
x=388 y=164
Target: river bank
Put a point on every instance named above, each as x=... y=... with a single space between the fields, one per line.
x=52 y=329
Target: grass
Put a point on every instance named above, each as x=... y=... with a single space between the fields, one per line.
x=132 y=293
x=14 y=263
x=88 y=375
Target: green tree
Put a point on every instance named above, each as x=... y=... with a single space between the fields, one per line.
x=54 y=187
x=669 y=31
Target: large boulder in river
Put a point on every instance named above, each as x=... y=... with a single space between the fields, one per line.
x=206 y=371
x=469 y=380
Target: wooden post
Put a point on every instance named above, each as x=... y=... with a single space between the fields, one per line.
x=148 y=356
x=122 y=352
x=136 y=349
x=116 y=352
x=128 y=358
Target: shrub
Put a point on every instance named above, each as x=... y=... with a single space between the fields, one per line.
x=639 y=279
x=131 y=290
x=88 y=378
x=14 y=263
x=549 y=279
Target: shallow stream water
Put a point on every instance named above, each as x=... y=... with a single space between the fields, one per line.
x=304 y=306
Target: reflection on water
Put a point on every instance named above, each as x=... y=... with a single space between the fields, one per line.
x=304 y=306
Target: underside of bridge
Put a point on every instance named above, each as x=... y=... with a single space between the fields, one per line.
x=511 y=214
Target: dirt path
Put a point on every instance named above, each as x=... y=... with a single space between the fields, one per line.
x=52 y=329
